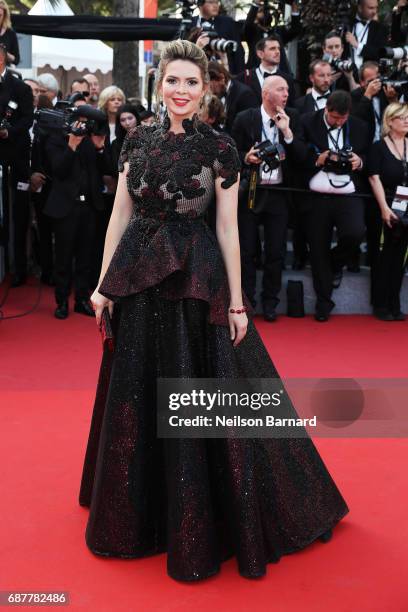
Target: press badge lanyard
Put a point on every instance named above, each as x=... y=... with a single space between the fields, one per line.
x=362 y=36
x=253 y=178
x=403 y=159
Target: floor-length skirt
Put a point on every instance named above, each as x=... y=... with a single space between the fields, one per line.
x=201 y=500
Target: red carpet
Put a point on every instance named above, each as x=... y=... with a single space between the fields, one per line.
x=48 y=373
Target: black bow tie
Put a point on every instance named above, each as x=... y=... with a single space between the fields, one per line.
x=266 y=74
x=333 y=127
x=324 y=97
x=362 y=21
x=272 y=123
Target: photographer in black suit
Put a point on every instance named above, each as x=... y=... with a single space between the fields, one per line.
x=337 y=146
x=235 y=96
x=78 y=163
x=344 y=75
x=258 y=25
x=368 y=36
x=210 y=19
x=16 y=113
x=320 y=76
x=269 y=52
x=282 y=129
x=371 y=99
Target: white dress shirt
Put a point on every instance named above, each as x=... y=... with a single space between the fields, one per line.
x=360 y=31
x=260 y=73
x=319 y=104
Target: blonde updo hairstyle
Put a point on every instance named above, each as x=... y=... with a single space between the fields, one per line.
x=393 y=110
x=182 y=50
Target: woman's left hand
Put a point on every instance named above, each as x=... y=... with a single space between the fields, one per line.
x=238 y=324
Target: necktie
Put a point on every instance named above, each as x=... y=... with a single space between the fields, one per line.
x=324 y=97
x=266 y=74
x=362 y=21
x=272 y=123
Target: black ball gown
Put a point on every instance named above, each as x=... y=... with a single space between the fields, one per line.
x=201 y=500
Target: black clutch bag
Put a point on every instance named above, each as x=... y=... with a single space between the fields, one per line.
x=106 y=330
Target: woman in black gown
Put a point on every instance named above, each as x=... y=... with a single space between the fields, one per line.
x=173 y=283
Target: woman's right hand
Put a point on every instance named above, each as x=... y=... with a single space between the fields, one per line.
x=99 y=302
x=388 y=216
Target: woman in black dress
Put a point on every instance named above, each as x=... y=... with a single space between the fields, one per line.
x=179 y=313
x=127 y=118
x=388 y=169
x=8 y=37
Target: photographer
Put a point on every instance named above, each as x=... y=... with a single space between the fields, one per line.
x=368 y=36
x=78 y=163
x=235 y=96
x=398 y=33
x=388 y=175
x=211 y=21
x=258 y=25
x=268 y=51
x=16 y=116
x=345 y=73
x=320 y=76
x=280 y=134
x=370 y=100
x=337 y=145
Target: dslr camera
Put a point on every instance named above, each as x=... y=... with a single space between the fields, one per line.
x=270 y=154
x=339 y=162
x=222 y=45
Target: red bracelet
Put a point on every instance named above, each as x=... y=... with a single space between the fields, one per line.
x=238 y=310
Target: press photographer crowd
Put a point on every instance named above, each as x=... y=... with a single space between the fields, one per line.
x=322 y=141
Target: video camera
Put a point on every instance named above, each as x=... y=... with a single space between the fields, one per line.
x=65 y=116
x=339 y=162
x=270 y=154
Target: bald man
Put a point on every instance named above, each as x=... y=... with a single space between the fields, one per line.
x=94 y=88
x=271 y=121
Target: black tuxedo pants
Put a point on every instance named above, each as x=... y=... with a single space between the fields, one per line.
x=326 y=212
x=73 y=248
x=273 y=215
x=19 y=207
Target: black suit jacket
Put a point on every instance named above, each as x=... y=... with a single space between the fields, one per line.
x=250 y=78
x=247 y=130
x=227 y=28
x=315 y=134
x=376 y=40
x=66 y=166
x=240 y=97
x=305 y=104
x=363 y=109
x=21 y=119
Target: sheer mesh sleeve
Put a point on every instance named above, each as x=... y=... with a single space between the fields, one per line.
x=227 y=163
